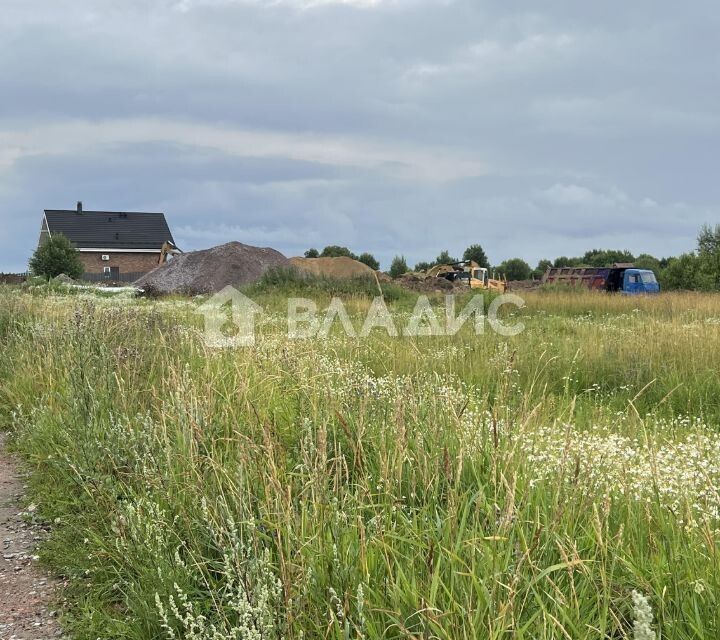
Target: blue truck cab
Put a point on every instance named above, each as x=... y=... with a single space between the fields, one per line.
x=636 y=281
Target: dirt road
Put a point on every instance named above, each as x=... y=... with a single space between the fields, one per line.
x=25 y=591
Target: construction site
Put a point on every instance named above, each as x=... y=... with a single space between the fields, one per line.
x=208 y=271
x=237 y=264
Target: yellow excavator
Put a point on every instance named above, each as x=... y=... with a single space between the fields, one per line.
x=468 y=272
x=168 y=249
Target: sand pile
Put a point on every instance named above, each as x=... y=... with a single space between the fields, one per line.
x=210 y=270
x=341 y=267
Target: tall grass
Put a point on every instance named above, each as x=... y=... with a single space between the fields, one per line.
x=282 y=282
x=454 y=487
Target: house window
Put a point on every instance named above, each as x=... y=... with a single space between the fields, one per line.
x=106 y=269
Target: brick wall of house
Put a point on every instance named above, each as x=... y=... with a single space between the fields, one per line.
x=127 y=262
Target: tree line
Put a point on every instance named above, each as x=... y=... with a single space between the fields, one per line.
x=697 y=270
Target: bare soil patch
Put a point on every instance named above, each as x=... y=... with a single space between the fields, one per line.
x=26 y=592
x=418 y=283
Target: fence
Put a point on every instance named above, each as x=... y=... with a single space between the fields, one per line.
x=109 y=277
x=19 y=278
x=13 y=278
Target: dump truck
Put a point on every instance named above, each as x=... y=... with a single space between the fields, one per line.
x=467 y=272
x=621 y=277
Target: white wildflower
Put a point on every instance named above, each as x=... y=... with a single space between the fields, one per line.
x=643 y=617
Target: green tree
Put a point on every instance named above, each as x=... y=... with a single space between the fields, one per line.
x=312 y=253
x=336 y=251
x=398 y=266
x=422 y=266
x=444 y=258
x=564 y=261
x=515 y=269
x=646 y=261
x=542 y=267
x=681 y=272
x=369 y=260
x=54 y=256
x=475 y=252
x=709 y=256
x=696 y=270
x=709 y=240
x=606 y=257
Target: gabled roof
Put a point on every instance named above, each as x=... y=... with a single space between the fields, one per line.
x=110 y=229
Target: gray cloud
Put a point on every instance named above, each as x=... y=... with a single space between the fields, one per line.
x=389 y=125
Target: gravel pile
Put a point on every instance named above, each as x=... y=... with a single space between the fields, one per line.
x=63 y=279
x=211 y=270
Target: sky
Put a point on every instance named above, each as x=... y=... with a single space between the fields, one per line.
x=390 y=126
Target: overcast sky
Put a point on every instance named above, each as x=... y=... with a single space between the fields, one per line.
x=392 y=126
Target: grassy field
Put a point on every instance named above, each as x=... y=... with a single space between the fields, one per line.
x=545 y=485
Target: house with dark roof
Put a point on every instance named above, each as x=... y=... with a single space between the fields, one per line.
x=113 y=245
